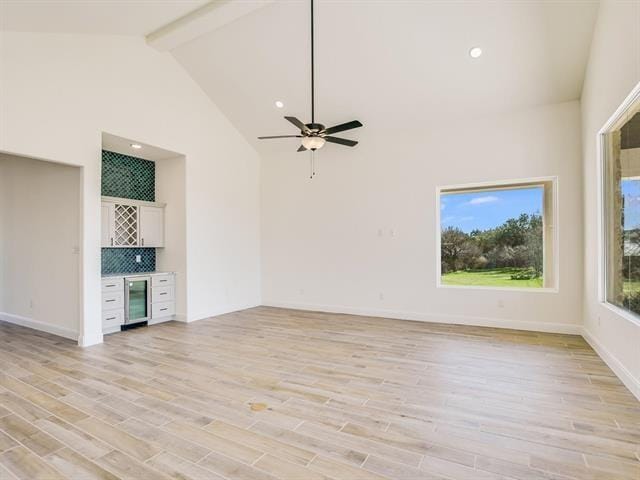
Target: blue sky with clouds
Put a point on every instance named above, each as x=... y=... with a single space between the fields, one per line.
x=631 y=193
x=488 y=209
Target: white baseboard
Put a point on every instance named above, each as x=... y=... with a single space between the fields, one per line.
x=88 y=340
x=547 y=327
x=625 y=376
x=41 y=326
x=222 y=311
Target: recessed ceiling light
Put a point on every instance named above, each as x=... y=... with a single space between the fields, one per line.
x=475 y=52
x=137 y=146
x=279 y=104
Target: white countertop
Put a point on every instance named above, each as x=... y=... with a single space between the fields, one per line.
x=136 y=274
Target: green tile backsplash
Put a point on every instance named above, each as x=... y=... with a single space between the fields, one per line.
x=128 y=177
x=123 y=260
x=124 y=176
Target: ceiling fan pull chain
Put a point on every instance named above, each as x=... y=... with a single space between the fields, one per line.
x=312 y=164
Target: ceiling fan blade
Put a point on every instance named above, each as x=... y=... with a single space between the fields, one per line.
x=301 y=149
x=298 y=123
x=341 y=141
x=280 y=136
x=342 y=127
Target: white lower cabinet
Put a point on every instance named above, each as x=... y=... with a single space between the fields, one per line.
x=163 y=309
x=113 y=284
x=112 y=304
x=112 y=319
x=112 y=300
x=162 y=292
x=163 y=279
x=163 y=301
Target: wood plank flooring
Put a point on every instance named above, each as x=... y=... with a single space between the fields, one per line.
x=281 y=394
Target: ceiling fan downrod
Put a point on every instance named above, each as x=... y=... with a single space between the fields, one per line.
x=314 y=135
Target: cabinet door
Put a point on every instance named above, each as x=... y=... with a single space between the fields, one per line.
x=151 y=227
x=107 y=227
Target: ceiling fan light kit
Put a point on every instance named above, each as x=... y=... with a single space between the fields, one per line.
x=314 y=135
x=313 y=143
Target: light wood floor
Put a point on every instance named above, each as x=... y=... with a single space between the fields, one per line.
x=279 y=394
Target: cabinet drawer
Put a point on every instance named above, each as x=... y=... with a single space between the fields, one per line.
x=162 y=280
x=113 y=318
x=163 y=309
x=163 y=294
x=112 y=300
x=112 y=284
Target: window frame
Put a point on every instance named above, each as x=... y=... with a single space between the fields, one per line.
x=613 y=123
x=549 y=257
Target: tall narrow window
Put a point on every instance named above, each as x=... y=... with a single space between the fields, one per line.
x=498 y=236
x=622 y=211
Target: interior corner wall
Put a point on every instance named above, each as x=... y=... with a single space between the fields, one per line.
x=40 y=234
x=361 y=236
x=170 y=189
x=59 y=92
x=613 y=71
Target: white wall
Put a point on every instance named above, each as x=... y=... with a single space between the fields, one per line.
x=613 y=71
x=40 y=233
x=2 y=229
x=58 y=92
x=320 y=243
x=170 y=189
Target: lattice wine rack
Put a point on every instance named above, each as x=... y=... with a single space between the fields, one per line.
x=126 y=225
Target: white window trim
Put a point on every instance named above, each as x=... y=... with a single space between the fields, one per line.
x=601 y=146
x=505 y=184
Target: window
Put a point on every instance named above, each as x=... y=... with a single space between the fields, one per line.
x=621 y=202
x=498 y=236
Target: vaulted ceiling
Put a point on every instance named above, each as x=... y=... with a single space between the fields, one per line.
x=118 y=17
x=394 y=65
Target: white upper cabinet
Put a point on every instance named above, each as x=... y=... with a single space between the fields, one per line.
x=151 y=226
x=129 y=223
x=107 y=229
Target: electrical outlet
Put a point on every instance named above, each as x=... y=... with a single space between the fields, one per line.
x=138 y=258
x=302 y=291
x=500 y=304
x=380 y=232
x=381 y=296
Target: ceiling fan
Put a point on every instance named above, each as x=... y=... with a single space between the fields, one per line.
x=315 y=135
